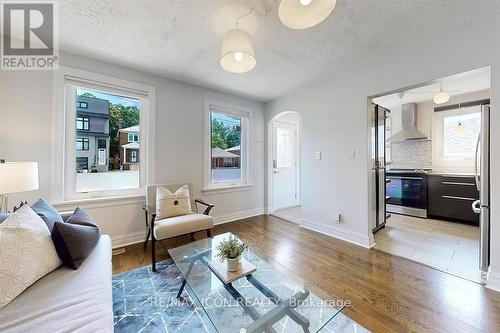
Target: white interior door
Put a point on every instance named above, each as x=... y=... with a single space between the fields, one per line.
x=284 y=165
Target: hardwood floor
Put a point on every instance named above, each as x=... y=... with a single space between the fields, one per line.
x=387 y=293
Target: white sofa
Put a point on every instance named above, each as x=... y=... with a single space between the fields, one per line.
x=66 y=300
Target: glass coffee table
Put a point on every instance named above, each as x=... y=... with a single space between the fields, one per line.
x=267 y=300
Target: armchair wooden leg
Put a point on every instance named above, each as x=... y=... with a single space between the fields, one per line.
x=209 y=233
x=153 y=254
x=147 y=238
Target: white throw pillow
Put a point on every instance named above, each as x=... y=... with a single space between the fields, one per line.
x=170 y=204
x=27 y=253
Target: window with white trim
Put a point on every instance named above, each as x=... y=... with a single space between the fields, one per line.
x=133 y=137
x=227 y=148
x=99 y=167
x=460 y=133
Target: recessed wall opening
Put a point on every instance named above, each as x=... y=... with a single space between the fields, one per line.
x=284 y=166
x=430 y=173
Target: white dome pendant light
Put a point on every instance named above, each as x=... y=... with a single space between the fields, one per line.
x=237 y=55
x=303 y=14
x=442 y=96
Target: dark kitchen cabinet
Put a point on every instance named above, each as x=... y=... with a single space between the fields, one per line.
x=451 y=198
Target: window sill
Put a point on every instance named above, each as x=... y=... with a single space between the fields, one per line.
x=101 y=202
x=227 y=188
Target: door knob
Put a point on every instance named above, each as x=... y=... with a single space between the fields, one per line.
x=476 y=206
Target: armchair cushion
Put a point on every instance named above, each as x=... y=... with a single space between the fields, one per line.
x=180 y=225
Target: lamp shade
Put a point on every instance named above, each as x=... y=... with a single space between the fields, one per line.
x=441 y=97
x=303 y=14
x=237 y=55
x=18 y=177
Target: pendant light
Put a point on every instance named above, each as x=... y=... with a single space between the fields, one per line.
x=460 y=129
x=237 y=55
x=303 y=14
x=442 y=96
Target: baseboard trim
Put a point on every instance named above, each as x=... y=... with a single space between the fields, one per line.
x=336 y=232
x=238 y=215
x=493 y=281
x=138 y=237
x=128 y=239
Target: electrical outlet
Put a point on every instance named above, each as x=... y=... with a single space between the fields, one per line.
x=338 y=218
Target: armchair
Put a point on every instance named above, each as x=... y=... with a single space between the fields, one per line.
x=160 y=229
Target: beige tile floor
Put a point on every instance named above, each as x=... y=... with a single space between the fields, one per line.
x=292 y=214
x=448 y=246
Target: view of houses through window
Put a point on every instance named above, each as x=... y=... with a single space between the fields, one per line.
x=107 y=141
x=226 y=148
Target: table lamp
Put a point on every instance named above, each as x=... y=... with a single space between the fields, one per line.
x=16 y=177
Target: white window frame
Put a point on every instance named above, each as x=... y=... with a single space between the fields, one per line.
x=65 y=82
x=438 y=133
x=246 y=161
x=132 y=135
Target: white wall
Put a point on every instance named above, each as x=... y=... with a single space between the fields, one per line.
x=26 y=131
x=335 y=118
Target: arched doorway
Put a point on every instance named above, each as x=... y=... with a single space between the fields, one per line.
x=283 y=161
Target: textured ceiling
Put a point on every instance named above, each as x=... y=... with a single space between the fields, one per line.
x=182 y=38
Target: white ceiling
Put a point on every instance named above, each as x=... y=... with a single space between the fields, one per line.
x=455 y=85
x=182 y=38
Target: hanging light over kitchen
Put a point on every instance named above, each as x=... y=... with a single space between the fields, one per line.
x=237 y=55
x=460 y=129
x=442 y=96
x=303 y=14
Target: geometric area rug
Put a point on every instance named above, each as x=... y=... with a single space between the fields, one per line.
x=144 y=301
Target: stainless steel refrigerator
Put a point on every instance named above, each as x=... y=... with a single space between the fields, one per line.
x=378 y=128
x=482 y=206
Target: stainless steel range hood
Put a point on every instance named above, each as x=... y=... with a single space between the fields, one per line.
x=409 y=131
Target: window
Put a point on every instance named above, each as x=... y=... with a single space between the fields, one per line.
x=82 y=105
x=133 y=156
x=227 y=149
x=82 y=164
x=82 y=123
x=82 y=144
x=133 y=137
x=100 y=165
x=460 y=133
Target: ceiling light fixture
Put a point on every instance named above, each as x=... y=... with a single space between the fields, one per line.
x=303 y=14
x=442 y=96
x=237 y=55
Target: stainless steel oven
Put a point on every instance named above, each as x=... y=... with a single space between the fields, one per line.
x=407 y=193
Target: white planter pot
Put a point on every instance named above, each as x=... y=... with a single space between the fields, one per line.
x=233 y=264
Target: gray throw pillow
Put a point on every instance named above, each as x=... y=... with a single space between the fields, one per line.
x=48 y=213
x=76 y=238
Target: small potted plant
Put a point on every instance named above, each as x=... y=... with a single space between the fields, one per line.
x=231 y=250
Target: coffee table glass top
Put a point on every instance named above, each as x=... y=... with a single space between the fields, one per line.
x=268 y=300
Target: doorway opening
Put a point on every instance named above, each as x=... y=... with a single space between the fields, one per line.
x=430 y=173
x=284 y=166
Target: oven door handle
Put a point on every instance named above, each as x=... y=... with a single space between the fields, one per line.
x=416 y=178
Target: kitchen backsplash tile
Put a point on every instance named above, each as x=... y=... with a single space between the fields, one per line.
x=411 y=154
